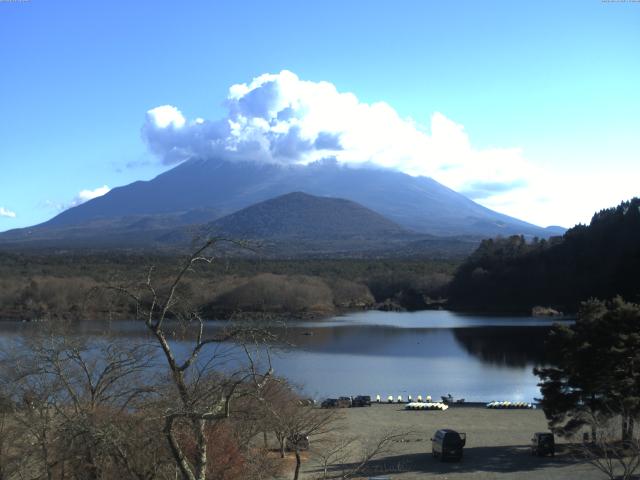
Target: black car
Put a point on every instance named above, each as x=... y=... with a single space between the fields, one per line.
x=329 y=403
x=448 y=444
x=361 y=401
x=543 y=444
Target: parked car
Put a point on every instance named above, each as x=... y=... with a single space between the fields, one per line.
x=297 y=442
x=361 y=401
x=543 y=444
x=344 y=402
x=329 y=403
x=448 y=444
x=449 y=400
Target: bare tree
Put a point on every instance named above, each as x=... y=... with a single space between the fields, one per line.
x=73 y=397
x=202 y=394
x=8 y=438
x=347 y=457
x=296 y=423
x=334 y=452
x=615 y=458
x=309 y=422
x=276 y=405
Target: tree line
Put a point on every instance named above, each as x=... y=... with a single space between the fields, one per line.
x=55 y=287
x=600 y=260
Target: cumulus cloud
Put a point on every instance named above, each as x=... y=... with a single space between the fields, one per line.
x=4 y=212
x=280 y=118
x=86 y=195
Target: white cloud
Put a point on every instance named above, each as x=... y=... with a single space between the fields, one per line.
x=166 y=116
x=86 y=195
x=279 y=118
x=7 y=213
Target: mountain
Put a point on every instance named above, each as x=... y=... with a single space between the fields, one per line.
x=218 y=188
x=298 y=224
x=600 y=260
x=300 y=215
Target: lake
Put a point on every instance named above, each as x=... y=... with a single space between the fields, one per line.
x=479 y=358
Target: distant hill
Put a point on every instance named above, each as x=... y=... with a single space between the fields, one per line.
x=599 y=260
x=298 y=224
x=300 y=215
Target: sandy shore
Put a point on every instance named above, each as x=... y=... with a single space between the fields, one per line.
x=497 y=444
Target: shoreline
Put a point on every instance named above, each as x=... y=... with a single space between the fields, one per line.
x=20 y=317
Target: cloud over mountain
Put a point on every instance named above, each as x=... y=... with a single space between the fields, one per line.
x=279 y=118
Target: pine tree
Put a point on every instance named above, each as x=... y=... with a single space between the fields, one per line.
x=595 y=368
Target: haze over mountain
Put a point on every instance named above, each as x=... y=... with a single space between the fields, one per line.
x=419 y=204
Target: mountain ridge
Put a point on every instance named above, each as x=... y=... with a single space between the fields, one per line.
x=230 y=186
x=199 y=191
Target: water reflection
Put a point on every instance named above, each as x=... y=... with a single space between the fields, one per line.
x=509 y=346
x=477 y=357
x=492 y=340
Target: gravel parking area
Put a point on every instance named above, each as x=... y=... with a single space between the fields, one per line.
x=497 y=444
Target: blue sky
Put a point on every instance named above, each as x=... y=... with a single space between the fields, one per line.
x=551 y=88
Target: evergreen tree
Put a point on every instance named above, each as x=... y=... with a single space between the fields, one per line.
x=595 y=368
x=600 y=260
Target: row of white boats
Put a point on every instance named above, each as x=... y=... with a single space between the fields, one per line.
x=443 y=406
x=510 y=405
x=419 y=404
x=400 y=399
x=426 y=406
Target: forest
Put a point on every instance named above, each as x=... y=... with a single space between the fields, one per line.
x=47 y=286
x=513 y=274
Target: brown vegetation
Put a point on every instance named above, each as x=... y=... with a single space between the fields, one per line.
x=56 y=287
x=103 y=409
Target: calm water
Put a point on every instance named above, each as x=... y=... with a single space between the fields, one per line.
x=480 y=358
